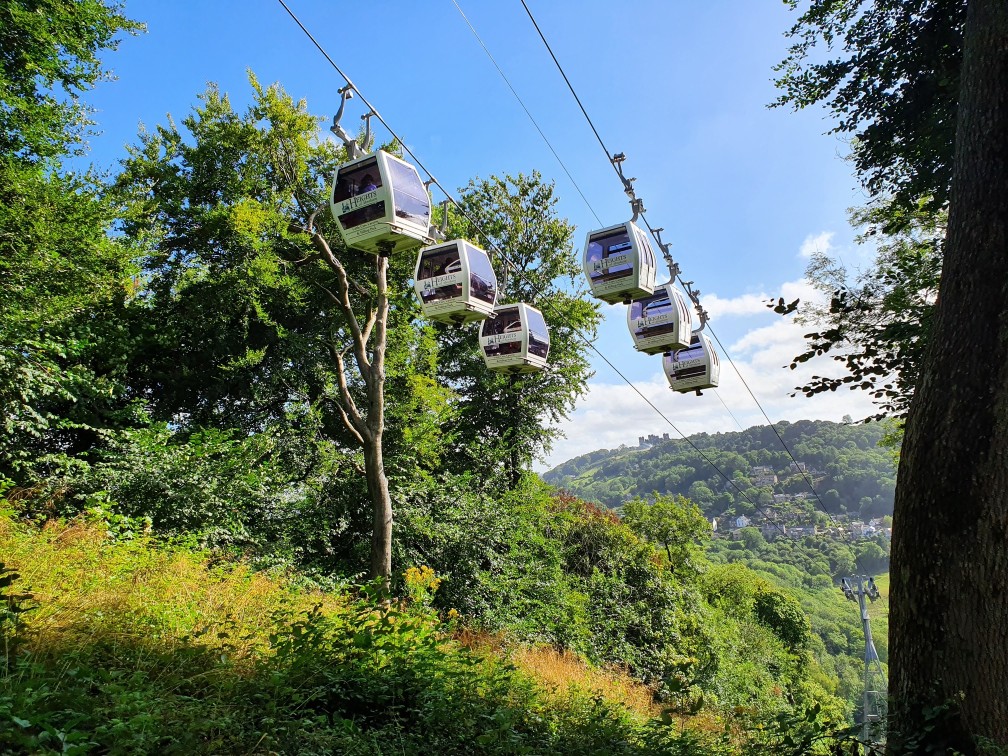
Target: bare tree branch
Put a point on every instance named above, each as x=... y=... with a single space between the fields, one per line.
x=349 y=426
x=347 y=406
x=376 y=393
x=372 y=314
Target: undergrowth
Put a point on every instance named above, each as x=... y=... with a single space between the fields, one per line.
x=135 y=647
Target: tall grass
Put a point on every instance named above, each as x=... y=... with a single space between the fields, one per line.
x=135 y=647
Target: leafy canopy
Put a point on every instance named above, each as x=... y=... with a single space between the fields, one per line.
x=63 y=281
x=49 y=55
x=888 y=72
x=877 y=325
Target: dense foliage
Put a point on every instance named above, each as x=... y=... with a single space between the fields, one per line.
x=65 y=283
x=807 y=570
x=889 y=73
x=877 y=323
x=850 y=473
x=132 y=645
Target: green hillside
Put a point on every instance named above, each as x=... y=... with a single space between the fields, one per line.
x=848 y=469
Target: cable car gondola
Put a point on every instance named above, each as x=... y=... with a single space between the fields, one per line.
x=619 y=263
x=455 y=283
x=515 y=339
x=380 y=204
x=694 y=368
x=662 y=322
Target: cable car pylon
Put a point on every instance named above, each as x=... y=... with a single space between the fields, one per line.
x=873 y=703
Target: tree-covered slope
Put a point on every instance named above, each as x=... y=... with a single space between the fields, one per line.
x=733 y=471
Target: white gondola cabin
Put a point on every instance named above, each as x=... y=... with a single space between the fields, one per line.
x=455 y=283
x=662 y=322
x=694 y=368
x=380 y=203
x=515 y=339
x=619 y=263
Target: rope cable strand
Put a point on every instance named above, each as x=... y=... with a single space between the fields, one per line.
x=612 y=160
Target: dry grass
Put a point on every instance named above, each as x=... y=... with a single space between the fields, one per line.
x=88 y=588
x=563 y=672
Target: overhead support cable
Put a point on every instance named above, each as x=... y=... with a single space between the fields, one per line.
x=616 y=160
x=350 y=87
x=527 y=112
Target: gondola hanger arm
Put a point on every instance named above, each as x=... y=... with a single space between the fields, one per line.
x=353 y=149
x=694 y=295
x=617 y=161
x=367 y=129
x=673 y=266
x=440 y=234
x=637 y=205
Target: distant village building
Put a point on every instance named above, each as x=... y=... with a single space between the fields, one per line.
x=802 y=531
x=798 y=467
x=742 y=521
x=762 y=475
x=770 y=531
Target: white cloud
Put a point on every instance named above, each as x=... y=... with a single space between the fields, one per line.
x=821 y=242
x=747 y=304
x=613 y=413
x=756 y=304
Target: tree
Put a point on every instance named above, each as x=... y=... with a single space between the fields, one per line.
x=263 y=316
x=783 y=614
x=64 y=281
x=893 y=86
x=49 y=55
x=877 y=325
x=922 y=77
x=891 y=80
x=503 y=422
x=752 y=539
x=673 y=522
x=950 y=546
x=261 y=321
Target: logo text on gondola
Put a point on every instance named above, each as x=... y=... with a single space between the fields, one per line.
x=503 y=338
x=610 y=262
x=438 y=281
x=653 y=320
x=359 y=201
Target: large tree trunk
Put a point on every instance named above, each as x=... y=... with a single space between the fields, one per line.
x=949 y=616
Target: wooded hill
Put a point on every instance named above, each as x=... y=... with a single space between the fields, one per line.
x=850 y=471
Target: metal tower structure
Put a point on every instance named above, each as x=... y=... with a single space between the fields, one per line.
x=874 y=703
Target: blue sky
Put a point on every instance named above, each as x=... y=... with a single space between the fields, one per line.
x=743 y=192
